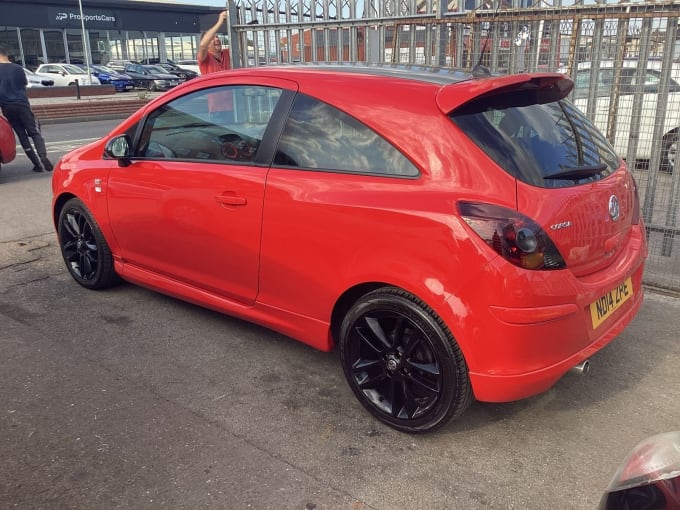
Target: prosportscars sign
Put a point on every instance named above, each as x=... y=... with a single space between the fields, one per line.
x=69 y=17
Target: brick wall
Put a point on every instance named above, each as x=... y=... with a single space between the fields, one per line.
x=87 y=110
x=85 y=90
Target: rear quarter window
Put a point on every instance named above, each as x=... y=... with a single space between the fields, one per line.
x=547 y=145
x=318 y=136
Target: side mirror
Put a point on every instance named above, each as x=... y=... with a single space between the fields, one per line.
x=119 y=148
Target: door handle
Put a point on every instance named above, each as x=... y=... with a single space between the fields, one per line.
x=230 y=199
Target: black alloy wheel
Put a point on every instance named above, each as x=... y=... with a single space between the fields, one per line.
x=83 y=247
x=402 y=363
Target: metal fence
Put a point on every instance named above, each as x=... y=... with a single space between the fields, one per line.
x=624 y=59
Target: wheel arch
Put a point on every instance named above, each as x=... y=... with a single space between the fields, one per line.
x=58 y=206
x=438 y=306
x=345 y=302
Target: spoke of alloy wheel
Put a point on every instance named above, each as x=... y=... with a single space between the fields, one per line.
x=71 y=225
x=87 y=270
x=377 y=330
x=371 y=382
x=397 y=397
x=366 y=337
x=362 y=365
x=425 y=386
x=410 y=405
x=399 y=329
x=69 y=249
x=412 y=341
x=429 y=368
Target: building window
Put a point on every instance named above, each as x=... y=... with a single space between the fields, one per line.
x=30 y=42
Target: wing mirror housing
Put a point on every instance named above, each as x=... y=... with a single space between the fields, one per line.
x=119 y=148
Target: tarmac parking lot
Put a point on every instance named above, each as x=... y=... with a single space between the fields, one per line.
x=130 y=399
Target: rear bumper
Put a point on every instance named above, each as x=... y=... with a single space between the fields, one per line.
x=530 y=327
x=506 y=388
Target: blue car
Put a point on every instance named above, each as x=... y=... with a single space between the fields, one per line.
x=107 y=76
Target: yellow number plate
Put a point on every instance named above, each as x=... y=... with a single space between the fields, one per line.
x=601 y=309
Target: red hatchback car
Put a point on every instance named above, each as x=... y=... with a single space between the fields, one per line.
x=457 y=236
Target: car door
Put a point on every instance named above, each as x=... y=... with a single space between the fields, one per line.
x=189 y=206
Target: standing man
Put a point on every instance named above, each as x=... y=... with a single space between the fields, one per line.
x=211 y=57
x=17 y=110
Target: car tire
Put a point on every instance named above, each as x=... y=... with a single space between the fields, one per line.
x=402 y=362
x=85 y=251
x=152 y=87
x=669 y=152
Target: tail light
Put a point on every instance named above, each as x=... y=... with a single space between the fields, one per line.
x=517 y=238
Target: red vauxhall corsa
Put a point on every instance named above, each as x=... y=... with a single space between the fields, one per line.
x=456 y=236
x=8 y=147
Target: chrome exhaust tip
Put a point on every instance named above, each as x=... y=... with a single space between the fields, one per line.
x=582 y=368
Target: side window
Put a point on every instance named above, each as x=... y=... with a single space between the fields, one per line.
x=193 y=127
x=319 y=136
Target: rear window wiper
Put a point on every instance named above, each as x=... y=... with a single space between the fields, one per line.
x=577 y=172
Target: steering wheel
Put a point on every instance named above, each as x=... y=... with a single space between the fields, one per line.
x=236 y=148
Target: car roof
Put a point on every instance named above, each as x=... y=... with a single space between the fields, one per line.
x=452 y=87
x=434 y=75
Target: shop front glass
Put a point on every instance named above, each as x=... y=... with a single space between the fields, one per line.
x=54 y=45
x=33 y=54
x=9 y=39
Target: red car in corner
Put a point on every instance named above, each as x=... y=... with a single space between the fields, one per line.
x=8 y=147
x=457 y=236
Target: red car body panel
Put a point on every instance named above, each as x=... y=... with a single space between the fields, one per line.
x=519 y=330
x=8 y=145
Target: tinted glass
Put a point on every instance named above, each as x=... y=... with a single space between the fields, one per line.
x=548 y=145
x=189 y=129
x=319 y=136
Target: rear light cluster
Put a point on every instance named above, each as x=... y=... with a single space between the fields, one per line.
x=518 y=239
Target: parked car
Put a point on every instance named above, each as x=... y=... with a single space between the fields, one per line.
x=172 y=67
x=192 y=65
x=455 y=236
x=108 y=76
x=37 y=80
x=646 y=121
x=119 y=65
x=7 y=142
x=67 y=74
x=180 y=72
x=151 y=77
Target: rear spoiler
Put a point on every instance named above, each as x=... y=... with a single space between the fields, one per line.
x=526 y=89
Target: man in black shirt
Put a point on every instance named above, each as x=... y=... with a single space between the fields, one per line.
x=17 y=110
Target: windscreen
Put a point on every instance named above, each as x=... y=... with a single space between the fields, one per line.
x=549 y=145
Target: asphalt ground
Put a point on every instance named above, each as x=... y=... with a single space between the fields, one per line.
x=129 y=399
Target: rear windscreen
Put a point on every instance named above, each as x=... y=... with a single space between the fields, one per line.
x=550 y=145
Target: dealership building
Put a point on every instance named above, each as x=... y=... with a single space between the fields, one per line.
x=43 y=31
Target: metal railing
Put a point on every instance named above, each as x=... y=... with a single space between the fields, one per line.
x=624 y=59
